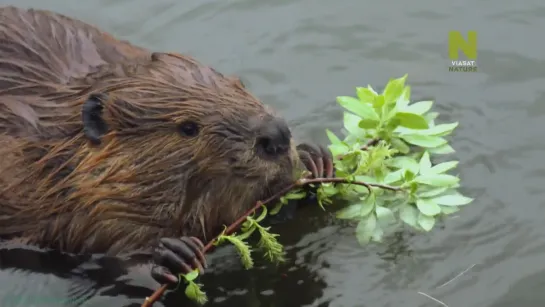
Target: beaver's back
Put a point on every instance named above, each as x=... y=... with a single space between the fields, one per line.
x=40 y=47
x=44 y=56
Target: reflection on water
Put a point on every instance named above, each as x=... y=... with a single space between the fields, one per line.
x=299 y=55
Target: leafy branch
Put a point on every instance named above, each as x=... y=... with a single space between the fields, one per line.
x=407 y=137
x=273 y=249
x=388 y=146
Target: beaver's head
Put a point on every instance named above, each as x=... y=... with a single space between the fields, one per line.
x=179 y=145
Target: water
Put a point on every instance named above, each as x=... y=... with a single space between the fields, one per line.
x=298 y=56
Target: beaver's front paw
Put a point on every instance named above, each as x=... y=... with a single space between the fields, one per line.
x=317 y=159
x=175 y=256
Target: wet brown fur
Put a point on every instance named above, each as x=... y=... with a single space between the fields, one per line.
x=145 y=180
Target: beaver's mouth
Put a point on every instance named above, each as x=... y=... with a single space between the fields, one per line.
x=274 y=187
x=267 y=178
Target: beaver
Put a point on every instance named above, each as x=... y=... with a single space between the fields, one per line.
x=111 y=148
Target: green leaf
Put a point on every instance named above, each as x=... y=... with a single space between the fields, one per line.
x=328 y=189
x=350 y=212
x=403 y=131
x=351 y=124
x=437 y=180
x=364 y=110
x=446 y=210
x=404 y=162
x=425 y=163
x=440 y=130
x=394 y=89
x=366 y=94
x=379 y=102
x=432 y=193
x=408 y=175
x=442 y=150
x=248 y=228
x=428 y=207
x=399 y=145
x=368 y=205
x=391 y=126
x=338 y=149
x=411 y=120
x=390 y=117
x=404 y=99
x=268 y=243
x=333 y=139
x=443 y=167
x=191 y=276
x=431 y=116
x=296 y=195
x=368 y=124
x=409 y=214
x=264 y=210
x=420 y=107
x=426 y=222
x=194 y=292
x=407 y=93
x=392 y=177
x=366 y=228
x=242 y=248
x=350 y=138
x=276 y=208
x=454 y=199
x=384 y=215
x=360 y=190
x=431 y=121
x=425 y=141
x=377 y=234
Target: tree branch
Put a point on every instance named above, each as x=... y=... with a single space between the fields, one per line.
x=298 y=184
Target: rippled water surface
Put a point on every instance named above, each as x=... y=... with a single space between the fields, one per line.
x=298 y=56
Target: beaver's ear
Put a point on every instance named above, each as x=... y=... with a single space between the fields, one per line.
x=94 y=126
x=155 y=56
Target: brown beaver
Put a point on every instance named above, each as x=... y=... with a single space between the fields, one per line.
x=108 y=147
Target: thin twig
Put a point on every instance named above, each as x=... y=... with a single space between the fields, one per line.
x=371 y=142
x=345 y=181
x=433 y=298
x=448 y=282
x=457 y=276
x=299 y=183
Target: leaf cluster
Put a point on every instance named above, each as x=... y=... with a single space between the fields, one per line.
x=409 y=138
x=268 y=243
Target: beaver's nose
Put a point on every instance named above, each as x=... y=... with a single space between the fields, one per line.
x=274 y=137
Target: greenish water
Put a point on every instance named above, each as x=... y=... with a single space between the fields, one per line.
x=298 y=56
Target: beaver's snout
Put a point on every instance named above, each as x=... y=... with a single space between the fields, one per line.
x=273 y=138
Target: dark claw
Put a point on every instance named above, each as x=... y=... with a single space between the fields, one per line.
x=308 y=162
x=174 y=256
x=317 y=159
x=163 y=276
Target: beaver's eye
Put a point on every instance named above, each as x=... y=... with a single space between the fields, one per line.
x=188 y=128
